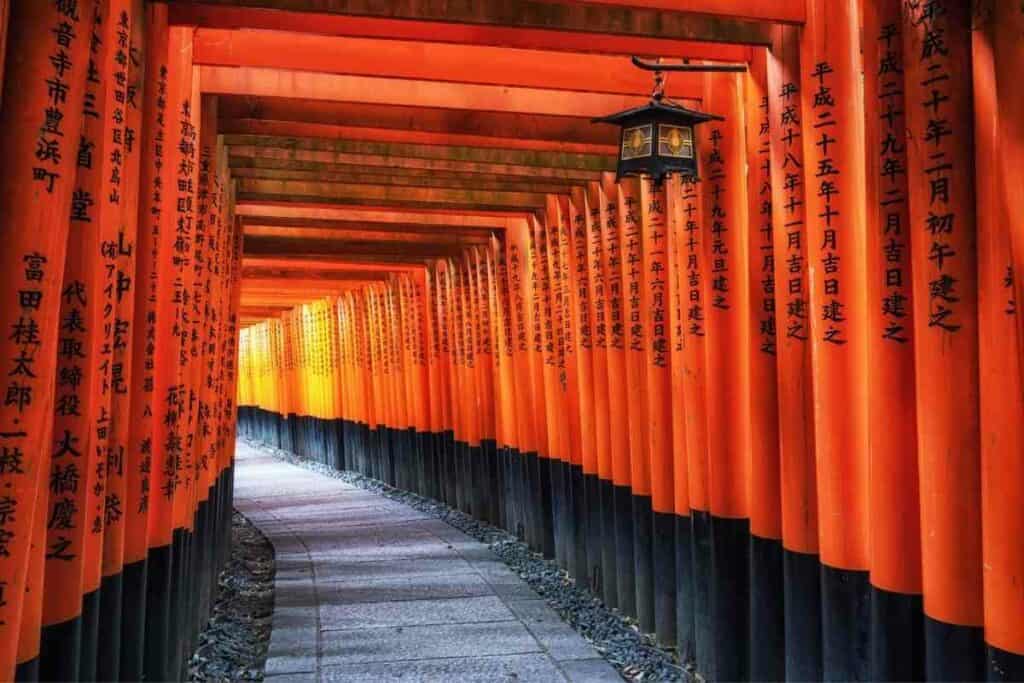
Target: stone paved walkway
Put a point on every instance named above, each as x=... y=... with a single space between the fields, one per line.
x=369 y=589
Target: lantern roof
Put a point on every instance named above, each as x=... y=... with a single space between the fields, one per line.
x=659 y=109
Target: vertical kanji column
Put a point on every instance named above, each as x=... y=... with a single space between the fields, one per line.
x=44 y=85
x=767 y=651
x=834 y=173
x=897 y=647
x=800 y=562
x=940 y=179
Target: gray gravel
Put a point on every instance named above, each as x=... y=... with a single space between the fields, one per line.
x=233 y=646
x=635 y=655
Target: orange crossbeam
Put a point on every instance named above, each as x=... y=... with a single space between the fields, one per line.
x=531 y=38
x=257 y=82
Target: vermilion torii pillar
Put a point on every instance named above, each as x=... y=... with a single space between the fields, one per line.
x=834 y=176
x=43 y=91
x=940 y=179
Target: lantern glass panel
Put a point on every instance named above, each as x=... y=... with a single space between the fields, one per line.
x=637 y=142
x=675 y=141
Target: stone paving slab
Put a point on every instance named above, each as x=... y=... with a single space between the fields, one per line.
x=368 y=589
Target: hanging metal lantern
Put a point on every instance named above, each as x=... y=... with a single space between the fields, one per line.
x=658 y=138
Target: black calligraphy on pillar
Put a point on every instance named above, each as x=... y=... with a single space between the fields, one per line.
x=633 y=245
x=826 y=176
x=694 y=273
x=714 y=162
x=935 y=90
x=892 y=199
x=657 y=279
x=766 y=310
x=797 y=306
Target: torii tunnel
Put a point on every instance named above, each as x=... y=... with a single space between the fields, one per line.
x=775 y=415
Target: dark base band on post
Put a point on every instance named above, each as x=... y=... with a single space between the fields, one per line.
x=604 y=513
x=158 y=613
x=767 y=611
x=558 y=506
x=618 y=540
x=547 y=520
x=27 y=672
x=897 y=636
x=90 y=635
x=800 y=574
x=108 y=664
x=60 y=649
x=643 y=561
x=594 y=534
x=579 y=514
x=664 y=562
x=700 y=543
x=730 y=603
x=1004 y=665
x=954 y=652
x=845 y=624
x=684 y=590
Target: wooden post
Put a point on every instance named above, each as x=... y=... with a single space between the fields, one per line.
x=940 y=179
x=43 y=90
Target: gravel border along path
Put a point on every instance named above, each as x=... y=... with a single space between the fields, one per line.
x=635 y=655
x=233 y=646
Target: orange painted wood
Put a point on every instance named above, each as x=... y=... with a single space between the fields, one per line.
x=833 y=142
x=635 y=337
x=480 y=64
x=252 y=126
x=599 y=461
x=617 y=468
x=260 y=82
x=762 y=349
x=895 y=539
x=677 y=303
x=943 y=248
x=723 y=154
x=74 y=513
x=788 y=11
x=655 y=317
x=1003 y=556
x=142 y=477
x=33 y=262
x=614 y=42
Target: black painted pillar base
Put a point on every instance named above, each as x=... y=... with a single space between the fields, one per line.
x=1004 y=665
x=90 y=635
x=611 y=560
x=108 y=666
x=594 y=537
x=767 y=611
x=954 y=652
x=845 y=624
x=800 y=572
x=60 y=651
x=547 y=519
x=643 y=561
x=617 y=529
x=897 y=636
x=27 y=672
x=703 y=628
x=580 y=523
x=684 y=590
x=664 y=563
x=730 y=601
x=158 y=614
x=534 y=524
x=558 y=509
